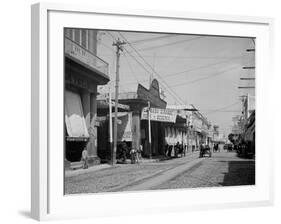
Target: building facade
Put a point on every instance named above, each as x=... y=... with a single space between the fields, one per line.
x=136 y=132
x=169 y=124
x=84 y=71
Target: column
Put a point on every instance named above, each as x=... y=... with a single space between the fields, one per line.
x=92 y=150
x=136 y=130
x=86 y=111
x=86 y=107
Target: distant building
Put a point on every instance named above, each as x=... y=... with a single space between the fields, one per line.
x=248 y=106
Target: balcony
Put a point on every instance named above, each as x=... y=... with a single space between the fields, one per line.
x=85 y=57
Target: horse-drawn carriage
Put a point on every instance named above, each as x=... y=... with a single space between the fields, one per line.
x=205 y=150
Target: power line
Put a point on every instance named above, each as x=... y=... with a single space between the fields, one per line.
x=195 y=69
x=193 y=57
x=165 y=45
x=180 y=100
x=211 y=76
x=130 y=54
x=109 y=48
x=222 y=108
x=137 y=60
x=187 y=57
x=153 y=70
x=152 y=39
x=131 y=68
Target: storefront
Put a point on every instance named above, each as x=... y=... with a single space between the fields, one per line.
x=159 y=120
x=136 y=101
x=83 y=74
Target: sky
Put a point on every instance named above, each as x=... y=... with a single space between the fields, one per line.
x=191 y=69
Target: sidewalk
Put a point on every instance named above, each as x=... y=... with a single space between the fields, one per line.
x=72 y=173
x=155 y=159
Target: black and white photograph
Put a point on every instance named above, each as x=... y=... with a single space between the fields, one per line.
x=157 y=111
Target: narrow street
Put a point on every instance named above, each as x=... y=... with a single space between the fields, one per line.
x=222 y=169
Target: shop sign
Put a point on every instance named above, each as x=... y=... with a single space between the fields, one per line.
x=82 y=55
x=162 y=115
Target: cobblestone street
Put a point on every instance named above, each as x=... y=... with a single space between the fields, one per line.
x=222 y=169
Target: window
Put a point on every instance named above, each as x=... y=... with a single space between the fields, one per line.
x=69 y=33
x=77 y=36
x=84 y=37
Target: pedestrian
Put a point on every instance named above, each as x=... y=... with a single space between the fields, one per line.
x=166 y=149
x=170 y=148
x=201 y=147
x=124 y=151
x=139 y=152
x=85 y=158
x=133 y=154
x=177 y=149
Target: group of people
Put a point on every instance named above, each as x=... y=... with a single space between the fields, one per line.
x=216 y=147
x=124 y=150
x=178 y=149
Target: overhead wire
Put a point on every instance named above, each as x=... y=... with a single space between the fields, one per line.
x=208 y=77
x=176 y=97
x=222 y=109
x=195 y=69
x=152 y=39
x=169 y=44
x=127 y=60
x=140 y=62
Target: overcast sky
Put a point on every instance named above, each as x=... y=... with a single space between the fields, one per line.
x=191 y=69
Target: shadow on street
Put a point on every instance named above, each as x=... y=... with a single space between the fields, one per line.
x=239 y=173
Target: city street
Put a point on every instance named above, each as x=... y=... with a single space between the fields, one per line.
x=222 y=169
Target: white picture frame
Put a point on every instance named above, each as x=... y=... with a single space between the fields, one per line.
x=48 y=201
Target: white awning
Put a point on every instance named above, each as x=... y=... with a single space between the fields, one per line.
x=74 y=117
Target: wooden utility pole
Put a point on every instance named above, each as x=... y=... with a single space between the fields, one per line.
x=119 y=48
x=249 y=67
x=110 y=123
x=247 y=78
x=149 y=130
x=246 y=87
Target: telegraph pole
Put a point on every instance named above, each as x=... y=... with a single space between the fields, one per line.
x=110 y=123
x=149 y=130
x=119 y=48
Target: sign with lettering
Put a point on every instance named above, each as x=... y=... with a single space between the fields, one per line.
x=157 y=114
x=77 y=52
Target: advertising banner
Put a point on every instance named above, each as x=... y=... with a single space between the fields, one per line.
x=157 y=114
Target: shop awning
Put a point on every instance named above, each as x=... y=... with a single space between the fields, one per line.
x=74 y=118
